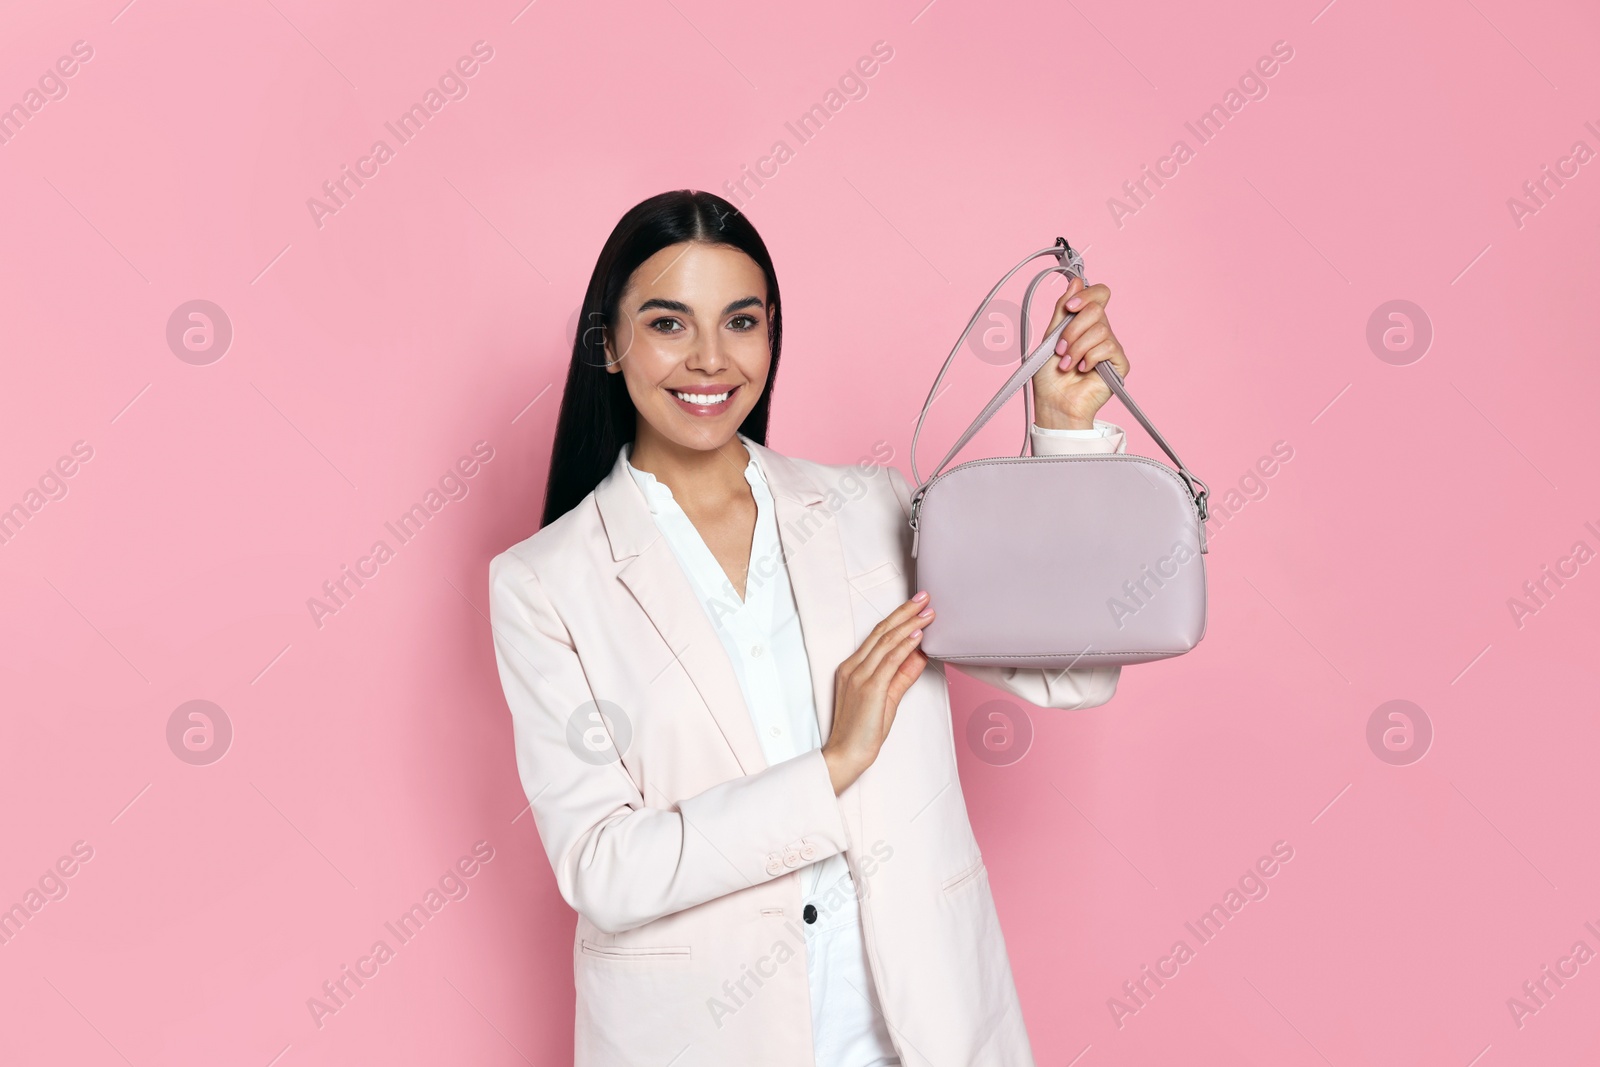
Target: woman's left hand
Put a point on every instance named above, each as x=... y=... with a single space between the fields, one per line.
x=1067 y=391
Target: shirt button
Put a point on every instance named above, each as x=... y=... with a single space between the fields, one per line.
x=777 y=731
x=755 y=650
x=810 y=914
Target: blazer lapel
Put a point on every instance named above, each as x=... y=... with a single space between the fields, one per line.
x=654 y=577
x=809 y=534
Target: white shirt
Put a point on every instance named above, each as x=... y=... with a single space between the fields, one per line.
x=762 y=636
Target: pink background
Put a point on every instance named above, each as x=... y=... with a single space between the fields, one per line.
x=433 y=311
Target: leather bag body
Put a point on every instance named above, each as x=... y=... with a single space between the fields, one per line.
x=1058 y=561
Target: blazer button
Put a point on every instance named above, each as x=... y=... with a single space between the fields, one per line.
x=808 y=851
x=791 y=858
x=774 y=867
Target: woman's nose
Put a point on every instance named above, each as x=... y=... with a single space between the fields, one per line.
x=706 y=353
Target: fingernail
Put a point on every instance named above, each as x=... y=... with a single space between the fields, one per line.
x=1074 y=304
x=1061 y=347
x=915 y=634
x=921 y=596
x=924 y=613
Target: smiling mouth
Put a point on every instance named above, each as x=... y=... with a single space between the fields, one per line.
x=701 y=403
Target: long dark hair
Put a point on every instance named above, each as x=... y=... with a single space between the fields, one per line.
x=597 y=415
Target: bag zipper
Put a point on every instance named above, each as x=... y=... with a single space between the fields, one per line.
x=1196 y=502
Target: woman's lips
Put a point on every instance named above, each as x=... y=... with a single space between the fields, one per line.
x=696 y=407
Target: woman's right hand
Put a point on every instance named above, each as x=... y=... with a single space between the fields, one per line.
x=867 y=689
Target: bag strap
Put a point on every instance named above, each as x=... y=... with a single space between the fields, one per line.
x=1069 y=263
x=1114 y=380
x=1059 y=250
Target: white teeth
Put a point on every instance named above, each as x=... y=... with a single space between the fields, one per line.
x=703 y=399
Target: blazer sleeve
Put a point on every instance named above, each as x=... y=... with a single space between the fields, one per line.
x=620 y=860
x=1074 y=688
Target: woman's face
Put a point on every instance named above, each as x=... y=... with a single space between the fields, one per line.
x=691 y=342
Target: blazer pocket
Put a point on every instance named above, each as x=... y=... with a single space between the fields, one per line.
x=629 y=952
x=883 y=572
x=965 y=878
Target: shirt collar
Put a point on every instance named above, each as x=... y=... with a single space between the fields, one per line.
x=658 y=495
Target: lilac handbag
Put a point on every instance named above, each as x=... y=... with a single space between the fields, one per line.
x=1057 y=561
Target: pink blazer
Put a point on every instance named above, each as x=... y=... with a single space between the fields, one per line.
x=681 y=856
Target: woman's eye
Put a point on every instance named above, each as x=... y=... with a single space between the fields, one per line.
x=665 y=325
x=743 y=322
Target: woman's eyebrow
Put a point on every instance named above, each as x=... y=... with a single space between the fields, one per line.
x=684 y=309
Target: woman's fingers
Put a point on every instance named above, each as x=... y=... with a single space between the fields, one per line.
x=1076 y=298
x=865 y=678
x=895 y=664
x=869 y=684
x=910 y=670
x=882 y=688
x=1087 y=304
x=896 y=675
x=1092 y=316
x=891 y=640
x=1098 y=338
x=1078 y=295
x=1074 y=287
x=899 y=615
x=1105 y=350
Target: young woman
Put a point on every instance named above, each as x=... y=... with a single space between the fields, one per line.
x=741 y=766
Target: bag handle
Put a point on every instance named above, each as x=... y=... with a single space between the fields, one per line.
x=1069 y=263
x=1060 y=249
